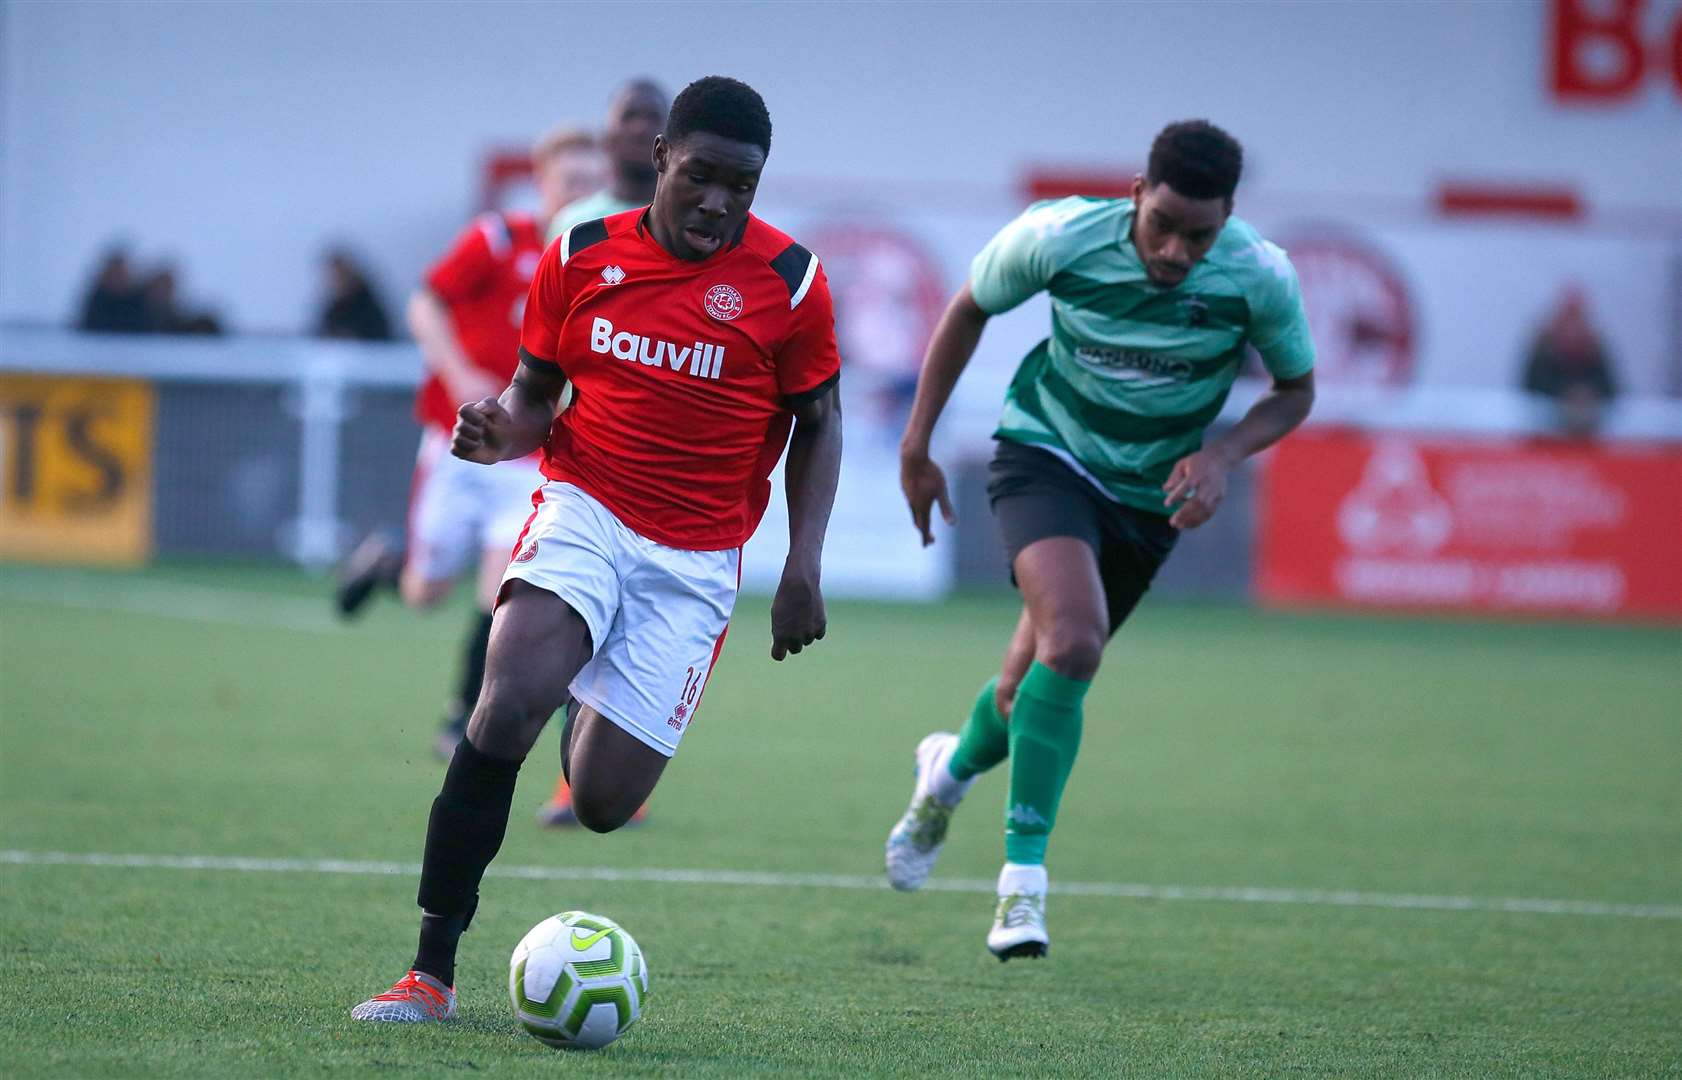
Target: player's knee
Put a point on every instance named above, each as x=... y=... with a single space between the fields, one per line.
x=504 y=723
x=597 y=822
x=599 y=815
x=1071 y=649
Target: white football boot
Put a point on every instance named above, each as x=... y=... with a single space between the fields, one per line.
x=916 y=839
x=1019 y=920
x=416 y=998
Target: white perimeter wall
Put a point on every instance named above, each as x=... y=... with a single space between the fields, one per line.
x=239 y=138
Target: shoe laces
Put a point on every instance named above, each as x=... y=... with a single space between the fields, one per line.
x=1020 y=909
x=410 y=988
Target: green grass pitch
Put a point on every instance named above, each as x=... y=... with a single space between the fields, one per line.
x=220 y=713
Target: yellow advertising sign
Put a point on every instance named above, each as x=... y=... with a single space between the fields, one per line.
x=75 y=469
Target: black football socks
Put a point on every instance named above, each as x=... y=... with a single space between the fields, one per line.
x=463 y=834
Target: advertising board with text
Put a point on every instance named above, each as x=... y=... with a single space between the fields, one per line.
x=75 y=469
x=1404 y=521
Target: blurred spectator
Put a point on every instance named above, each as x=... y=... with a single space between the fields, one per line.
x=353 y=310
x=115 y=302
x=165 y=311
x=160 y=300
x=1568 y=365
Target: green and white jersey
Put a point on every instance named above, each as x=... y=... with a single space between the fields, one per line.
x=589 y=208
x=1133 y=373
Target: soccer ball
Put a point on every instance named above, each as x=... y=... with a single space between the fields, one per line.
x=577 y=981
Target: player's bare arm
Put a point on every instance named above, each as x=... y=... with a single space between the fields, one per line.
x=950 y=349
x=811 y=474
x=513 y=425
x=1198 y=482
x=434 y=331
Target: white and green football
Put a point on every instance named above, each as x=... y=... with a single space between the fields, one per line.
x=577 y=981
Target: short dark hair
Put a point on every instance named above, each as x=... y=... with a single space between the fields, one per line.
x=722 y=106
x=1196 y=159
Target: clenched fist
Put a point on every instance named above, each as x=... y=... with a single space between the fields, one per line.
x=481 y=432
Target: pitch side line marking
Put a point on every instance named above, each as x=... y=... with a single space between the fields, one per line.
x=767 y=879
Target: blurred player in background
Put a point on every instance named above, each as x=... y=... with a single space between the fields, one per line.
x=466 y=319
x=701 y=341
x=1100 y=462
x=635 y=116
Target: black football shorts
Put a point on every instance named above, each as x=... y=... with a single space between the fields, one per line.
x=1035 y=495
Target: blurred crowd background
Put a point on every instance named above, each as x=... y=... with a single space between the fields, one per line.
x=211 y=215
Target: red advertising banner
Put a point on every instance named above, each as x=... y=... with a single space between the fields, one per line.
x=1405 y=521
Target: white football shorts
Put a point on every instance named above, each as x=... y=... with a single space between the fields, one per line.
x=459 y=509
x=657 y=615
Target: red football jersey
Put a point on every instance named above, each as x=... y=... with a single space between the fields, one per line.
x=483 y=279
x=685 y=373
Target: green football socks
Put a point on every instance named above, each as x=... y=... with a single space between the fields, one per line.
x=984 y=742
x=1040 y=740
x=1044 y=731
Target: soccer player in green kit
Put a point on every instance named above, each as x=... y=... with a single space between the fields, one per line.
x=1100 y=462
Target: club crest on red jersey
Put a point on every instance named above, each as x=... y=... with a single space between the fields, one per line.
x=723 y=302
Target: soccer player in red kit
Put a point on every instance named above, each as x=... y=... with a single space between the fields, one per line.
x=635 y=116
x=466 y=317
x=696 y=338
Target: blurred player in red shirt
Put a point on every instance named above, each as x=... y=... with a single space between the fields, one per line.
x=466 y=318
x=700 y=342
